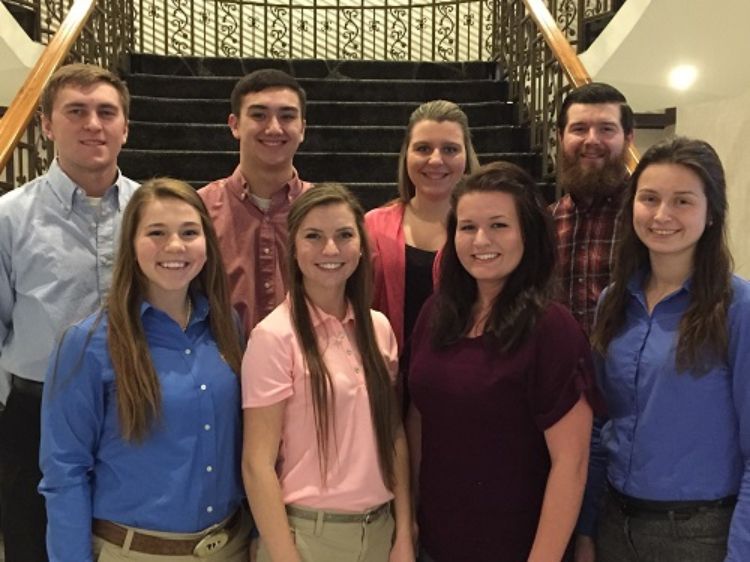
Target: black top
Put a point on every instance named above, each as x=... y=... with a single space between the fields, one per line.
x=418 y=285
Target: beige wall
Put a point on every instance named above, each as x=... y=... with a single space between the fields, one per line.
x=726 y=125
x=18 y=54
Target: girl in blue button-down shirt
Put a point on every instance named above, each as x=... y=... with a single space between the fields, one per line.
x=141 y=414
x=673 y=337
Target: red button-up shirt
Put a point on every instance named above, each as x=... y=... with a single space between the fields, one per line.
x=253 y=243
x=586 y=236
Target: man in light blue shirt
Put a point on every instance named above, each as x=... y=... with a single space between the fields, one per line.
x=57 y=241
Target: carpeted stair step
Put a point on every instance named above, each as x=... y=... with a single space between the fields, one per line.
x=318 y=138
x=356 y=116
x=177 y=110
x=312 y=68
x=313 y=166
x=330 y=90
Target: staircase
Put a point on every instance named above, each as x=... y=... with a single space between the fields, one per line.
x=357 y=112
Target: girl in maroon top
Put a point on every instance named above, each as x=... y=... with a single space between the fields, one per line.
x=501 y=381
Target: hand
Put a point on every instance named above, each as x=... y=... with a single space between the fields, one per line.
x=402 y=550
x=585 y=550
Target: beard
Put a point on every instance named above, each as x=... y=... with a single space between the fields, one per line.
x=591 y=184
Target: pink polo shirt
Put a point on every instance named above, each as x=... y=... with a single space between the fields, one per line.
x=273 y=371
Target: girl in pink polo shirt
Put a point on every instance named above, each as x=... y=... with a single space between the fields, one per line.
x=324 y=459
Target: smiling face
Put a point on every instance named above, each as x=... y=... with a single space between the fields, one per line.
x=327 y=248
x=269 y=127
x=592 y=150
x=88 y=127
x=170 y=247
x=489 y=241
x=670 y=210
x=436 y=158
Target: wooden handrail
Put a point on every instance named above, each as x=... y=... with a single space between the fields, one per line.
x=21 y=110
x=574 y=70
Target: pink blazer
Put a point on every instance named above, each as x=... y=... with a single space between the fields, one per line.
x=386 y=233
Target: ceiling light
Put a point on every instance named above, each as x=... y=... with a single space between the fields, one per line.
x=682 y=77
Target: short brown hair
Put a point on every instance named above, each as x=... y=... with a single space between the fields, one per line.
x=81 y=74
x=264 y=79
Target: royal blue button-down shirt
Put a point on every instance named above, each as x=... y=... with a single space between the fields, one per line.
x=57 y=252
x=675 y=436
x=184 y=477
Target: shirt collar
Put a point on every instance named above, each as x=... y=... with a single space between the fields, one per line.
x=66 y=190
x=612 y=201
x=638 y=280
x=318 y=317
x=198 y=314
x=238 y=186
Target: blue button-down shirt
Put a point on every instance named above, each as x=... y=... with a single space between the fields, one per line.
x=56 y=257
x=676 y=436
x=184 y=477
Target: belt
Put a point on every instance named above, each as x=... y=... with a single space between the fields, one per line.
x=201 y=546
x=26 y=386
x=650 y=509
x=328 y=517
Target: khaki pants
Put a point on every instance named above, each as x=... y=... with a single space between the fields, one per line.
x=236 y=550
x=319 y=541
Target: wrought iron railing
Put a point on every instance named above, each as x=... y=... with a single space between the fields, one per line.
x=106 y=38
x=437 y=30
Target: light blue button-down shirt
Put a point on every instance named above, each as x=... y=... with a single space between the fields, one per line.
x=184 y=477
x=675 y=436
x=57 y=252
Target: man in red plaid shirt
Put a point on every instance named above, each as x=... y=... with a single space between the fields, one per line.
x=595 y=128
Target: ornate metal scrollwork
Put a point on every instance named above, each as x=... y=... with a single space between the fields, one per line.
x=445 y=28
x=279 y=32
x=399 y=47
x=180 y=39
x=488 y=26
x=350 y=33
x=567 y=18
x=228 y=26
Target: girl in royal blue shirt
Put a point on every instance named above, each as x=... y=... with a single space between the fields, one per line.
x=673 y=339
x=140 y=449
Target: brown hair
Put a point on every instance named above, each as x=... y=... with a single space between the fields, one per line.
x=596 y=93
x=526 y=290
x=359 y=293
x=82 y=75
x=138 y=391
x=264 y=79
x=439 y=111
x=703 y=334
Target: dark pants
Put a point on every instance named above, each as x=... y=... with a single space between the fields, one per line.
x=24 y=521
x=700 y=538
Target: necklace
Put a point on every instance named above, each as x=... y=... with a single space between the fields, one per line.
x=188 y=314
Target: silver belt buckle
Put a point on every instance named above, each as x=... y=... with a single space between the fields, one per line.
x=211 y=543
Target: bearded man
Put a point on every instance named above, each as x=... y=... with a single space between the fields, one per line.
x=595 y=129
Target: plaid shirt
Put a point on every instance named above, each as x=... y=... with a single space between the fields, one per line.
x=585 y=250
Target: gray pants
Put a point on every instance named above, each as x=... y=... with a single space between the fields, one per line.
x=701 y=538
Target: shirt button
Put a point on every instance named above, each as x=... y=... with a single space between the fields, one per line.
x=580 y=279
x=188 y=351
x=266 y=250
x=203 y=387
x=267 y=285
x=209 y=468
x=207 y=427
x=210 y=509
